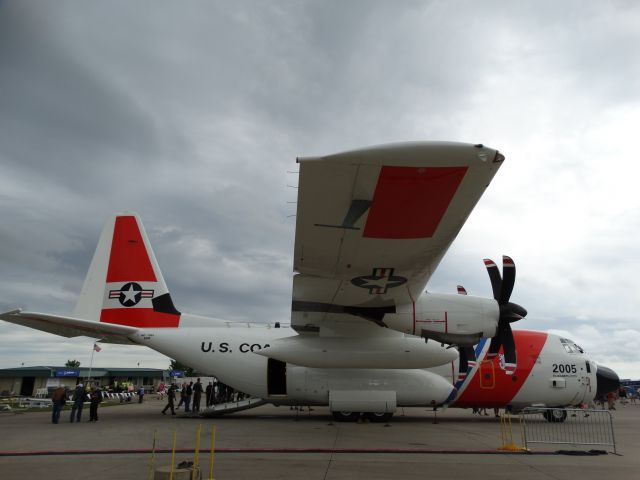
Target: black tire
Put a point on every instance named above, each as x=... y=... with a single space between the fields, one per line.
x=378 y=417
x=555 y=415
x=346 y=416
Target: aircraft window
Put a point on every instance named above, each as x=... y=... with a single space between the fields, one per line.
x=568 y=345
x=578 y=348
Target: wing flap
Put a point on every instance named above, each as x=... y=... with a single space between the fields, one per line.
x=71 y=327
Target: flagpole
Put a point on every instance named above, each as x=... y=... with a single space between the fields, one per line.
x=93 y=350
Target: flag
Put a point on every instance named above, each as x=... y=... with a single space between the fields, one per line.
x=96 y=347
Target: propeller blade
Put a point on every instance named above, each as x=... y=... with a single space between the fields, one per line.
x=502 y=286
x=494 y=276
x=462 y=290
x=508 y=279
x=463 y=364
x=494 y=347
x=467 y=356
x=509 y=347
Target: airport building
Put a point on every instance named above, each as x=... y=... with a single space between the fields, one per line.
x=37 y=381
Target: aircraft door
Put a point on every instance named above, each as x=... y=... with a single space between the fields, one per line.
x=585 y=382
x=276 y=377
x=487 y=375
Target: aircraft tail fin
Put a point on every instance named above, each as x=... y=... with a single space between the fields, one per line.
x=124 y=285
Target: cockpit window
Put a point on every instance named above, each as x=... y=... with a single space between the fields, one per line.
x=570 y=346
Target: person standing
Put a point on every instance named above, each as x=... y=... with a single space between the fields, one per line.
x=622 y=394
x=187 y=399
x=58 y=398
x=208 y=392
x=171 y=398
x=197 y=395
x=183 y=395
x=161 y=390
x=140 y=394
x=78 y=402
x=96 y=398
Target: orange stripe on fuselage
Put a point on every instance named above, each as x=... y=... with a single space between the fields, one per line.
x=491 y=386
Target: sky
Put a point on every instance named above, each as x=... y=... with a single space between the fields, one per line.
x=192 y=114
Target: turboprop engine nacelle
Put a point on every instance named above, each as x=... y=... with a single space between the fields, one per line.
x=388 y=351
x=447 y=318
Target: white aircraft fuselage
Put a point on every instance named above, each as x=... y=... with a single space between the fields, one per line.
x=557 y=372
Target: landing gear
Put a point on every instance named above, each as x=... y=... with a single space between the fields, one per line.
x=555 y=415
x=378 y=417
x=346 y=416
x=355 y=416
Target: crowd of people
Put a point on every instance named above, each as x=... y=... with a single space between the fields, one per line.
x=191 y=394
x=79 y=396
x=624 y=395
x=190 y=397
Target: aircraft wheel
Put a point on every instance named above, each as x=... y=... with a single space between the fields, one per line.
x=556 y=415
x=378 y=417
x=346 y=416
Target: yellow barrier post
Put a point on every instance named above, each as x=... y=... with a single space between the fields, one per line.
x=211 y=452
x=173 y=455
x=506 y=432
x=196 y=453
x=152 y=462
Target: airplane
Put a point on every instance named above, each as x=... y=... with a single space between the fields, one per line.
x=371 y=227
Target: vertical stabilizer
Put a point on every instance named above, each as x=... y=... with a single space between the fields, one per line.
x=124 y=284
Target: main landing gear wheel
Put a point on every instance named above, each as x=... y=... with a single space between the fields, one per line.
x=378 y=417
x=346 y=416
x=556 y=415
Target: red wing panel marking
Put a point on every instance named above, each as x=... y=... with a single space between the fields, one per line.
x=129 y=260
x=491 y=386
x=409 y=202
x=140 y=317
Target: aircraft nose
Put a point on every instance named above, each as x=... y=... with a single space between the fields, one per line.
x=608 y=381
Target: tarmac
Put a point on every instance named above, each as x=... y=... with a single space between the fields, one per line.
x=277 y=443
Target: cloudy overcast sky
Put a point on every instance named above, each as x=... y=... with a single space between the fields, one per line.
x=192 y=113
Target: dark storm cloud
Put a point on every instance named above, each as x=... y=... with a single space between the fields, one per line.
x=59 y=116
x=191 y=113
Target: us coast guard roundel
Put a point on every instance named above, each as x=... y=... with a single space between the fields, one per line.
x=130 y=294
x=380 y=280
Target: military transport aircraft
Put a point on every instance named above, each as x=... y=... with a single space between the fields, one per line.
x=372 y=226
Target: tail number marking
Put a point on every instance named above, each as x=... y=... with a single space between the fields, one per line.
x=564 y=368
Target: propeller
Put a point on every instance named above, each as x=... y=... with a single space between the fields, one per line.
x=509 y=312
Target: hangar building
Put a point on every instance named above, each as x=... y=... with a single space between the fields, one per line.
x=36 y=381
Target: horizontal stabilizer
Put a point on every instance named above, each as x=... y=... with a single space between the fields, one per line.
x=71 y=327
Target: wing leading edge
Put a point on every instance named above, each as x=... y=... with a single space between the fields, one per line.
x=372 y=226
x=71 y=327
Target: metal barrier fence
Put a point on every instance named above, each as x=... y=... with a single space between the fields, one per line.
x=569 y=426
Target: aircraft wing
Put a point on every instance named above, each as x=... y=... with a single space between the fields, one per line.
x=71 y=327
x=372 y=226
